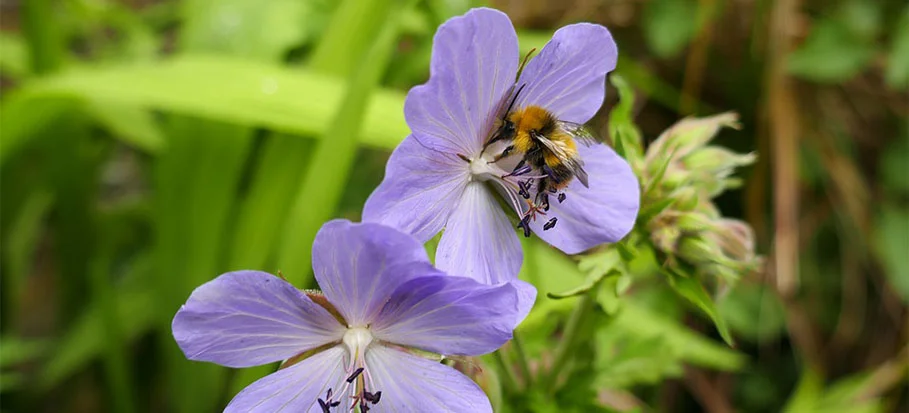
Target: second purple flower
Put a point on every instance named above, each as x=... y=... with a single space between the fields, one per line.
x=443 y=176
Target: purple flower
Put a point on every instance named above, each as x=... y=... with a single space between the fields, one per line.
x=351 y=346
x=441 y=176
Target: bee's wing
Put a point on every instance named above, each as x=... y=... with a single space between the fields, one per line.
x=579 y=132
x=570 y=160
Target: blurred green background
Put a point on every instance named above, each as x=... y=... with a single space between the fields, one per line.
x=148 y=145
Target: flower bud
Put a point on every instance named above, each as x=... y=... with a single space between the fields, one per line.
x=688 y=135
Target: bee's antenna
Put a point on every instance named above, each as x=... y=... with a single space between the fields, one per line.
x=514 y=99
x=524 y=63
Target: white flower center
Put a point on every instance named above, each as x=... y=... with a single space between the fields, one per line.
x=357 y=339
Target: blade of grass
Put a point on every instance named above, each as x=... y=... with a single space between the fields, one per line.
x=45 y=43
x=333 y=158
x=196 y=182
x=242 y=92
x=283 y=159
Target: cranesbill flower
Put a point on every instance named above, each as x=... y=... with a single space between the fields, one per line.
x=441 y=177
x=351 y=347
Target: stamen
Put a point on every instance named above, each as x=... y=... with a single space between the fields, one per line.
x=354 y=375
x=525 y=225
x=464 y=158
x=324 y=406
x=561 y=197
x=550 y=224
x=372 y=397
x=523 y=192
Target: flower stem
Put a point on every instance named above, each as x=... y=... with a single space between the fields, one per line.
x=569 y=341
x=522 y=360
x=509 y=380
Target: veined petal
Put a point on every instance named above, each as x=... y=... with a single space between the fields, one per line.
x=420 y=189
x=568 y=77
x=479 y=241
x=414 y=384
x=603 y=213
x=297 y=388
x=474 y=62
x=248 y=318
x=358 y=266
x=449 y=315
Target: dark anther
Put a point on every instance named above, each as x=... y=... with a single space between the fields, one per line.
x=550 y=224
x=464 y=158
x=545 y=203
x=336 y=404
x=525 y=225
x=354 y=375
x=523 y=192
x=561 y=197
x=372 y=397
x=364 y=407
x=324 y=406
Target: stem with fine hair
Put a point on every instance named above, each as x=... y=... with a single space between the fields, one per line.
x=569 y=341
x=522 y=360
x=509 y=380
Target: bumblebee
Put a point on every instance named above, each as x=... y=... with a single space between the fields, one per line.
x=546 y=145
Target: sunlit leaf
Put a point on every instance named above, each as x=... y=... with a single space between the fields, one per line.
x=135 y=126
x=220 y=88
x=692 y=290
x=669 y=25
x=898 y=59
x=753 y=311
x=832 y=53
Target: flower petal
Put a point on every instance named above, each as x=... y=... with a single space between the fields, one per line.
x=568 y=77
x=413 y=384
x=248 y=318
x=358 y=266
x=296 y=388
x=474 y=62
x=479 y=241
x=603 y=213
x=420 y=189
x=449 y=315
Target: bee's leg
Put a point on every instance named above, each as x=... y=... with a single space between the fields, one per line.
x=507 y=151
x=542 y=199
x=495 y=138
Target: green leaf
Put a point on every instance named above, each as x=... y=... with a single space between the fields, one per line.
x=807 y=393
x=892 y=242
x=625 y=134
x=639 y=321
x=17 y=350
x=84 y=341
x=221 y=88
x=13 y=56
x=897 y=74
x=236 y=26
x=669 y=25
x=20 y=246
x=831 y=54
x=753 y=311
x=133 y=125
x=692 y=290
